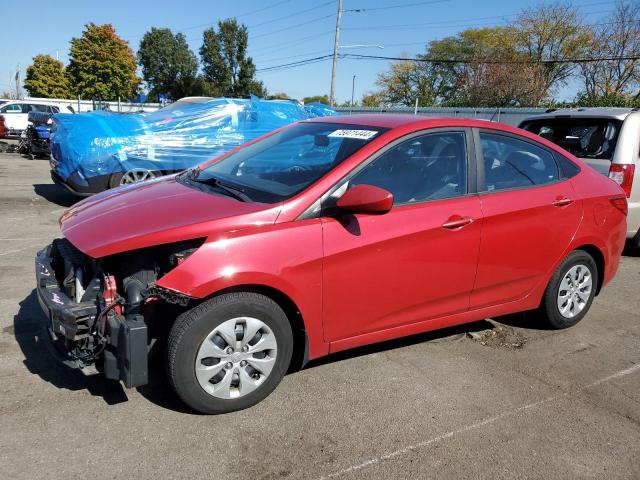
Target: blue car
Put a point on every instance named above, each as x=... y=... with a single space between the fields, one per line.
x=95 y=151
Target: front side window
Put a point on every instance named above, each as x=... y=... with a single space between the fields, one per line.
x=512 y=163
x=285 y=163
x=428 y=167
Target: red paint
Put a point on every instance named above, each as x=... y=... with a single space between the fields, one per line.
x=365 y=199
x=365 y=278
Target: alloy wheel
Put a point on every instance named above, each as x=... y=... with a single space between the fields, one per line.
x=137 y=175
x=236 y=357
x=574 y=291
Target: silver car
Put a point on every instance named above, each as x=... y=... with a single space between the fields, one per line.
x=608 y=139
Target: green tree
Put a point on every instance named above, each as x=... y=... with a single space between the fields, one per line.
x=168 y=66
x=46 y=78
x=371 y=99
x=316 y=98
x=278 y=96
x=405 y=82
x=102 y=66
x=225 y=62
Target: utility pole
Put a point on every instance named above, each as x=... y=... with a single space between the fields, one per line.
x=18 y=93
x=336 y=43
x=353 y=89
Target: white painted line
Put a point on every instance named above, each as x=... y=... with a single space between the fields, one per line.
x=476 y=425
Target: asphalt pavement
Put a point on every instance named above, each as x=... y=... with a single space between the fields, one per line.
x=495 y=399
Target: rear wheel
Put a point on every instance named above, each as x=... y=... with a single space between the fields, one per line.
x=229 y=353
x=571 y=290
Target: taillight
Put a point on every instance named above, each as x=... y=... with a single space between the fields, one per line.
x=622 y=174
x=620 y=203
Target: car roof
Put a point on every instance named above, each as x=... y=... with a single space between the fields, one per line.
x=391 y=121
x=617 y=113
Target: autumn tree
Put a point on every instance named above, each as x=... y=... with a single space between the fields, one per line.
x=225 y=61
x=168 y=65
x=47 y=78
x=618 y=40
x=102 y=66
x=549 y=34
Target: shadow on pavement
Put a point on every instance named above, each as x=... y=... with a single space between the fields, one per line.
x=28 y=330
x=27 y=327
x=29 y=334
x=436 y=336
x=55 y=194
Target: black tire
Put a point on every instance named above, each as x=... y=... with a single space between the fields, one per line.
x=114 y=179
x=549 y=307
x=191 y=328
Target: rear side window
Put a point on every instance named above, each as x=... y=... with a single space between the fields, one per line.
x=583 y=137
x=513 y=163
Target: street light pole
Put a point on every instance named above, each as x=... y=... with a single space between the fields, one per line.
x=336 y=43
x=353 y=89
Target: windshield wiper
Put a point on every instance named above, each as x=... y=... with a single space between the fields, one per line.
x=236 y=193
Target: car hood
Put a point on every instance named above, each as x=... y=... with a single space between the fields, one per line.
x=153 y=213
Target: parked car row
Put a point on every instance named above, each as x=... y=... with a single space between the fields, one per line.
x=14 y=115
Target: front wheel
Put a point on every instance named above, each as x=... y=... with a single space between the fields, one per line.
x=229 y=352
x=571 y=290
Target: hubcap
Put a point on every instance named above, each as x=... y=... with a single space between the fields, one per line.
x=236 y=357
x=575 y=290
x=137 y=175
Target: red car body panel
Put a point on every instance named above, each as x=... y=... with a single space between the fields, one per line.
x=375 y=277
x=155 y=212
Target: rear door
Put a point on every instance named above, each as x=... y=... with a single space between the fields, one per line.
x=530 y=215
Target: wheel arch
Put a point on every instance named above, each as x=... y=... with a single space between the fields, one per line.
x=598 y=257
x=300 y=354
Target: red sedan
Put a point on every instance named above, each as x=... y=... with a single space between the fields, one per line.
x=322 y=236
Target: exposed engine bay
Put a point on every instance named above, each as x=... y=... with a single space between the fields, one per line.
x=102 y=311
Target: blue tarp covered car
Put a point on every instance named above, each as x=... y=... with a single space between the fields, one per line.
x=95 y=151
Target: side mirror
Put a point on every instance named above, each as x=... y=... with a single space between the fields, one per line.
x=365 y=199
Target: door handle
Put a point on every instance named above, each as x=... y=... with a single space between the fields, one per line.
x=456 y=221
x=562 y=202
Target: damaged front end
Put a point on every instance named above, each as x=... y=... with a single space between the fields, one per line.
x=103 y=312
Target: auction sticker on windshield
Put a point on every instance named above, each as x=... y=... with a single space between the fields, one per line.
x=357 y=134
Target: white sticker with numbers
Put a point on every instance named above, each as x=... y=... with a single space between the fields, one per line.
x=357 y=134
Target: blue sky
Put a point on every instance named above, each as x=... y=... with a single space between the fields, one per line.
x=40 y=26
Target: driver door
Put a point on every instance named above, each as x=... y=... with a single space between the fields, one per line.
x=419 y=260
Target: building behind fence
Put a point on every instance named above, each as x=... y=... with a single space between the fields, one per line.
x=511 y=116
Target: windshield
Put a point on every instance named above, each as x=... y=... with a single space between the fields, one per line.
x=583 y=137
x=285 y=163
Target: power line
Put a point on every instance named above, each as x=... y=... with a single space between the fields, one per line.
x=296 y=41
x=491 y=60
x=306 y=54
x=410 y=26
x=295 y=14
x=201 y=25
x=355 y=56
x=296 y=64
x=404 y=5
x=313 y=20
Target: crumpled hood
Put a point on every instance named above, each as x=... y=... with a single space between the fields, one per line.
x=153 y=213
